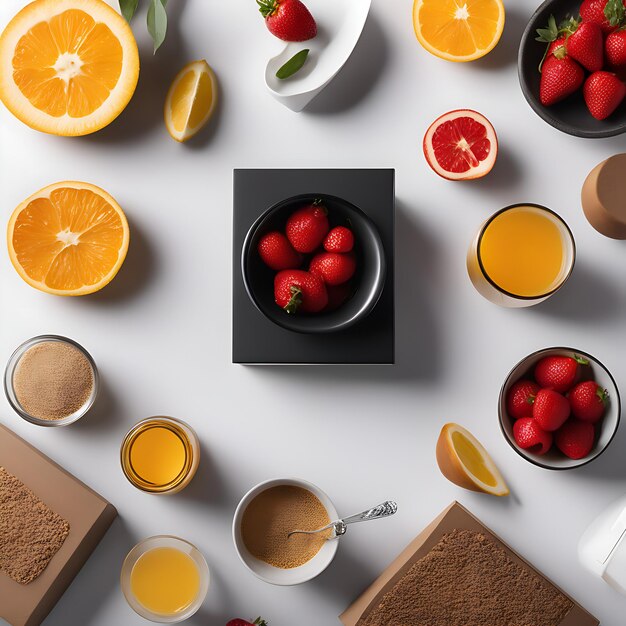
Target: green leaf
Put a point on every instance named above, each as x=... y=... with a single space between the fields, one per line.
x=128 y=8
x=157 y=22
x=550 y=33
x=294 y=64
x=614 y=12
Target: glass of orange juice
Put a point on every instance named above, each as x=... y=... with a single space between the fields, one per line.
x=165 y=579
x=521 y=255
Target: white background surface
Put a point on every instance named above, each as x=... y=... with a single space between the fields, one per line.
x=160 y=332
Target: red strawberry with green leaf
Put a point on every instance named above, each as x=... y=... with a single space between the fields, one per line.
x=276 y=252
x=530 y=436
x=334 y=268
x=242 y=622
x=559 y=372
x=588 y=401
x=615 y=48
x=300 y=291
x=575 y=439
x=603 y=92
x=550 y=409
x=586 y=45
x=561 y=76
x=339 y=239
x=288 y=20
x=608 y=14
x=520 y=399
x=307 y=227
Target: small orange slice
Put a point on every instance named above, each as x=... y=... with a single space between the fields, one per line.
x=190 y=101
x=458 y=30
x=464 y=461
x=68 y=239
x=67 y=67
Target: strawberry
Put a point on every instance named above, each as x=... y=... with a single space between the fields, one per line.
x=277 y=253
x=297 y=290
x=608 y=14
x=575 y=439
x=288 y=20
x=560 y=78
x=519 y=400
x=334 y=268
x=530 y=436
x=558 y=47
x=307 y=227
x=588 y=401
x=242 y=622
x=560 y=373
x=586 y=45
x=603 y=92
x=615 y=48
x=337 y=295
x=339 y=239
x=550 y=409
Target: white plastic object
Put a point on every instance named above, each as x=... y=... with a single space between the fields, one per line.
x=602 y=548
x=339 y=27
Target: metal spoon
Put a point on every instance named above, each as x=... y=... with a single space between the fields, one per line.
x=340 y=526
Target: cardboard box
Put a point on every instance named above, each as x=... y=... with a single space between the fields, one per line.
x=453 y=517
x=89 y=516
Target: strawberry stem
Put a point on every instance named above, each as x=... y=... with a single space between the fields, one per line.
x=295 y=301
x=581 y=360
x=268 y=7
x=260 y=622
x=603 y=394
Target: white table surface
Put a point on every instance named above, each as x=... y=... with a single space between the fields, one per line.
x=161 y=332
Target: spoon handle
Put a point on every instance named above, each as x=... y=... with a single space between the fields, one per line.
x=382 y=510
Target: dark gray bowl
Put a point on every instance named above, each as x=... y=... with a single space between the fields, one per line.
x=368 y=281
x=570 y=116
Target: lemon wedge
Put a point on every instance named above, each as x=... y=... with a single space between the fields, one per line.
x=464 y=461
x=190 y=101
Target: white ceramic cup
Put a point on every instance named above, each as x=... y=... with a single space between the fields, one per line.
x=276 y=575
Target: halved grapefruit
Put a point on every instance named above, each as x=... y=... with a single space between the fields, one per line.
x=461 y=145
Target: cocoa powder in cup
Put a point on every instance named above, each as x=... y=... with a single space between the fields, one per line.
x=273 y=514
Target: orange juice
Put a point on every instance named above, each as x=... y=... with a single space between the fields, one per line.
x=523 y=252
x=166 y=581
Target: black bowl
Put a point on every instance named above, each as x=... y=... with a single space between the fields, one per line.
x=368 y=281
x=571 y=115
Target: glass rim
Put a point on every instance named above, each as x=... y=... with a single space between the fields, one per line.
x=9 y=389
x=490 y=280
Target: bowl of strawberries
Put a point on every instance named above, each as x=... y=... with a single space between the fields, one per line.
x=314 y=263
x=572 y=66
x=559 y=408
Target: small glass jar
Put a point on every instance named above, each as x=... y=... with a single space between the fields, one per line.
x=489 y=288
x=160 y=455
x=176 y=543
x=12 y=396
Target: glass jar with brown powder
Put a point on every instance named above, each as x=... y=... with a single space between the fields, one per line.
x=51 y=381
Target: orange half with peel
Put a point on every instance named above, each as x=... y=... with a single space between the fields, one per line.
x=464 y=461
x=67 y=67
x=68 y=239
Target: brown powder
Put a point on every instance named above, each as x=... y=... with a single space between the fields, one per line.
x=274 y=513
x=468 y=580
x=52 y=380
x=30 y=533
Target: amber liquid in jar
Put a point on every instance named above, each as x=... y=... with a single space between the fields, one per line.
x=160 y=455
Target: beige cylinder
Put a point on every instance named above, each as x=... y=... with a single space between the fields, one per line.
x=604 y=197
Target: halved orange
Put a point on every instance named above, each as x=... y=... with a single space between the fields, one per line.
x=464 y=461
x=68 y=239
x=190 y=100
x=458 y=30
x=67 y=67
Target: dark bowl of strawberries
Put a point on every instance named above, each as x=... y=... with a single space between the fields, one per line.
x=314 y=263
x=559 y=408
x=572 y=66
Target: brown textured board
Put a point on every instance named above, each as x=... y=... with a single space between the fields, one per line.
x=454 y=518
x=87 y=514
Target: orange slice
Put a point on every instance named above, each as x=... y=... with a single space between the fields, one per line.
x=458 y=30
x=67 y=67
x=463 y=461
x=190 y=101
x=68 y=239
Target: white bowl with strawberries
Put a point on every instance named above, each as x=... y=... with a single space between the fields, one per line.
x=314 y=264
x=559 y=408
